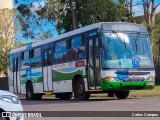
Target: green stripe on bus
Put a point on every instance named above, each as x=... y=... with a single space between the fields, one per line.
x=64 y=76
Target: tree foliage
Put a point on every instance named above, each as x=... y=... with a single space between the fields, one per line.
x=7 y=30
x=152 y=21
x=35 y=20
x=60 y=11
x=92 y=11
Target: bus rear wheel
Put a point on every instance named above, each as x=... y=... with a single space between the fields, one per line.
x=121 y=94
x=64 y=96
x=30 y=93
x=79 y=90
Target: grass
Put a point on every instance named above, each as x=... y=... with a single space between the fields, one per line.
x=146 y=93
x=137 y=93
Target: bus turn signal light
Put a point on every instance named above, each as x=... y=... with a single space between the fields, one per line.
x=111 y=79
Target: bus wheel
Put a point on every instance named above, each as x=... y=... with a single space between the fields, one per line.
x=29 y=91
x=121 y=94
x=79 y=90
x=64 y=96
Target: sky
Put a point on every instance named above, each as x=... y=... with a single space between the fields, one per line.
x=138 y=10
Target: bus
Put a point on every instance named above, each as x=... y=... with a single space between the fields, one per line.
x=105 y=57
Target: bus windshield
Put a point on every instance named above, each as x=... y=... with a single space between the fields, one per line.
x=122 y=50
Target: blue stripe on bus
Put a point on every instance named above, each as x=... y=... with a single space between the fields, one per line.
x=36 y=74
x=68 y=69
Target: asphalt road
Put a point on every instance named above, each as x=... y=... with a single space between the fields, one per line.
x=94 y=104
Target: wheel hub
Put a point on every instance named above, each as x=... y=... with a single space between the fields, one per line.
x=80 y=89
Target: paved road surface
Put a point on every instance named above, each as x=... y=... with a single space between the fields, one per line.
x=102 y=104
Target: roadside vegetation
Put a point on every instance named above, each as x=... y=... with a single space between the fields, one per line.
x=135 y=93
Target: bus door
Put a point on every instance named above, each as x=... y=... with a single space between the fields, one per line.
x=47 y=70
x=94 y=63
x=16 y=80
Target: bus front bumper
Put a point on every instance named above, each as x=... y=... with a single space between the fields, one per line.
x=121 y=85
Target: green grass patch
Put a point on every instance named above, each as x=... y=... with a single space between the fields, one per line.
x=146 y=93
x=136 y=93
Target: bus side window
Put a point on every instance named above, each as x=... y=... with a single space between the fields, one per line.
x=25 y=63
x=60 y=52
x=22 y=56
x=76 y=47
x=35 y=56
x=32 y=53
x=11 y=63
x=97 y=53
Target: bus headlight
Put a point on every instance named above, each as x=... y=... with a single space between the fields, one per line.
x=111 y=79
x=10 y=99
x=151 y=78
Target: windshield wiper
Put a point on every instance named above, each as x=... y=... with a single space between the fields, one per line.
x=120 y=39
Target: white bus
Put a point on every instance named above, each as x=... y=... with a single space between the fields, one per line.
x=111 y=57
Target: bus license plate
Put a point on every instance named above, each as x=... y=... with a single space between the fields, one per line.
x=150 y=83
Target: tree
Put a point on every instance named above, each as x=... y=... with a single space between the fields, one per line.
x=7 y=30
x=31 y=16
x=60 y=12
x=92 y=11
x=152 y=21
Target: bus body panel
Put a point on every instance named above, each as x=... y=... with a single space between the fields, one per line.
x=127 y=80
x=10 y=81
x=62 y=86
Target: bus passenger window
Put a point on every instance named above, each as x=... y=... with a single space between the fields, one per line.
x=45 y=58
x=25 y=63
x=61 y=52
x=11 y=63
x=76 y=47
x=35 y=55
x=26 y=55
x=49 y=57
x=31 y=53
x=97 y=54
x=22 y=55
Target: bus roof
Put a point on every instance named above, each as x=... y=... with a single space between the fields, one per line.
x=120 y=26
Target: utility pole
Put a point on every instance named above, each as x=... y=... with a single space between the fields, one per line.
x=74 y=16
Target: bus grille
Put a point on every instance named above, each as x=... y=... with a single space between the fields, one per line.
x=134 y=79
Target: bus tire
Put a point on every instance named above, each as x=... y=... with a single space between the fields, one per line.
x=29 y=91
x=121 y=94
x=79 y=90
x=64 y=96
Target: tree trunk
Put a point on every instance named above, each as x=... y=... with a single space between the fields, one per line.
x=152 y=16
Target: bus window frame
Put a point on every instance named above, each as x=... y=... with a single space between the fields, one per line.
x=31 y=57
x=82 y=45
x=54 y=49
